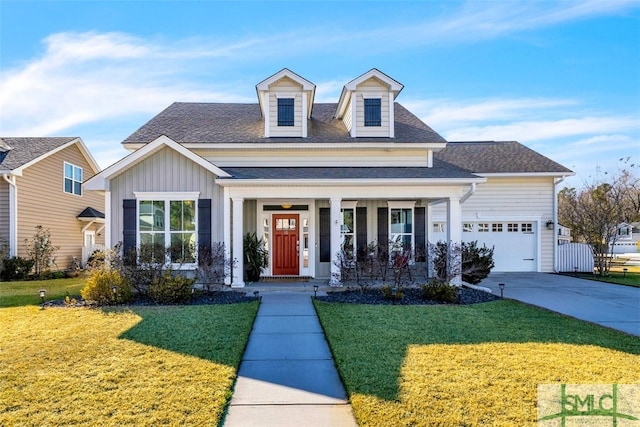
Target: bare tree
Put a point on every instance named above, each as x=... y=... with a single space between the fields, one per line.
x=594 y=211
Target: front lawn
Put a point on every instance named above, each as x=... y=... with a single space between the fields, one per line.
x=466 y=365
x=126 y=366
x=14 y=294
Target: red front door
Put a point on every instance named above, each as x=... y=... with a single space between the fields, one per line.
x=285 y=257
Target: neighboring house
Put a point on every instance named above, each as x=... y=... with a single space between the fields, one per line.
x=564 y=235
x=312 y=178
x=627 y=238
x=41 y=184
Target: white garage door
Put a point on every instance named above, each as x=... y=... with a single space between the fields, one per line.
x=514 y=243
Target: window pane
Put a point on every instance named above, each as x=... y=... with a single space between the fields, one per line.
x=189 y=215
x=77 y=174
x=68 y=186
x=68 y=171
x=285 y=111
x=182 y=247
x=175 y=215
x=372 y=112
x=347 y=220
x=77 y=188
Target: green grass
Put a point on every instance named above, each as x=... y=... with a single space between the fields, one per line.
x=466 y=365
x=138 y=366
x=15 y=294
x=618 y=278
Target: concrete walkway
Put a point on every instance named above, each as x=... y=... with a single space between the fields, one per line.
x=287 y=376
x=613 y=306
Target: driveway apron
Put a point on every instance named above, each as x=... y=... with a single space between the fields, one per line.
x=287 y=376
x=613 y=306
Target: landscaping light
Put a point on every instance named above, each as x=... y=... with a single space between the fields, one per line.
x=624 y=272
x=501 y=286
x=394 y=292
x=315 y=291
x=42 y=292
x=114 y=289
x=256 y=294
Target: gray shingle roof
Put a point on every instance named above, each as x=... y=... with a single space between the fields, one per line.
x=24 y=150
x=90 y=213
x=498 y=157
x=228 y=123
x=440 y=170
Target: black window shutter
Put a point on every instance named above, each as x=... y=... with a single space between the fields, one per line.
x=204 y=224
x=128 y=227
x=420 y=234
x=325 y=235
x=383 y=226
x=361 y=232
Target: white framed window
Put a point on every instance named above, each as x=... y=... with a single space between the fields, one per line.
x=401 y=229
x=512 y=227
x=72 y=179
x=286 y=111
x=167 y=227
x=348 y=229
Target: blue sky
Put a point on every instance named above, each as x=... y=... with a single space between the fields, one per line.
x=563 y=78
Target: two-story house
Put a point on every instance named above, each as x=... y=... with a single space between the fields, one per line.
x=41 y=184
x=315 y=178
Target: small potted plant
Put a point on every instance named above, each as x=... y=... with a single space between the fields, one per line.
x=256 y=257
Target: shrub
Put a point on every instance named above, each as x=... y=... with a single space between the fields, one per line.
x=387 y=293
x=41 y=250
x=476 y=262
x=99 y=288
x=170 y=289
x=437 y=290
x=214 y=266
x=16 y=268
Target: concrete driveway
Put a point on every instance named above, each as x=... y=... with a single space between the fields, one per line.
x=613 y=306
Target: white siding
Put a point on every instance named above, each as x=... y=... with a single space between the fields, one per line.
x=285 y=88
x=166 y=171
x=4 y=212
x=512 y=199
x=309 y=157
x=368 y=88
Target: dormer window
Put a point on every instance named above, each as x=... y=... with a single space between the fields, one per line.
x=285 y=111
x=372 y=112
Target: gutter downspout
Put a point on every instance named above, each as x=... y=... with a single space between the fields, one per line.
x=469 y=193
x=555 y=223
x=13 y=213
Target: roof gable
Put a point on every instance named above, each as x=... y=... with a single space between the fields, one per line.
x=23 y=152
x=100 y=180
x=264 y=87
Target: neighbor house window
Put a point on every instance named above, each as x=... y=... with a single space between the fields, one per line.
x=72 y=179
x=372 y=112
x=167 y=231
x=285 y=111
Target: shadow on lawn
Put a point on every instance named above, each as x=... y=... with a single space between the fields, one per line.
x=372 y=344
x=213 y=332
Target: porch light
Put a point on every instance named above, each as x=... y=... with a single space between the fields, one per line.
x=286 y=206
x=501 y=286
x=315 y=291
x=42 y=292
x=550 y=225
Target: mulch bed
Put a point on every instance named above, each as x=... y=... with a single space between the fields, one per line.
x=412 y=296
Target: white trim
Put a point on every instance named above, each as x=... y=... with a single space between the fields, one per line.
x=354 y=118
x=100 y=181
x=285 y=72
x=286 y=95
x=107 y=219
x=372 y=95
x=392 y=118
x=305 y=114
x=295 y=144
x=73 y=180
x=13 y=213
x=238 y=234
x=166 y=195
x=226 y=228
x=349 y=204
x=401 y=204
x=361 y=182
x=525 y=174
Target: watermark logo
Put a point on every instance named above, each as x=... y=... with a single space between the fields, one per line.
x=568 y=405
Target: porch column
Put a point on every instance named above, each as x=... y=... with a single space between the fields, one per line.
x=336 y=221
x=226 y=233
x=454 y=237
x=238 y=252
x=429 y=233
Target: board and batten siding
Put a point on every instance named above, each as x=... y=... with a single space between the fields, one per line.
x=512 y=199
x=42 y=201
x=165 y=171
x=4 y=212
x=371 y=87
x=285 y=88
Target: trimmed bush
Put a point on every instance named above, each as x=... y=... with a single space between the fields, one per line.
x=169 y=289
x=387 y=293
x=99 y=288
x=16 y=268
x=437 y=290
